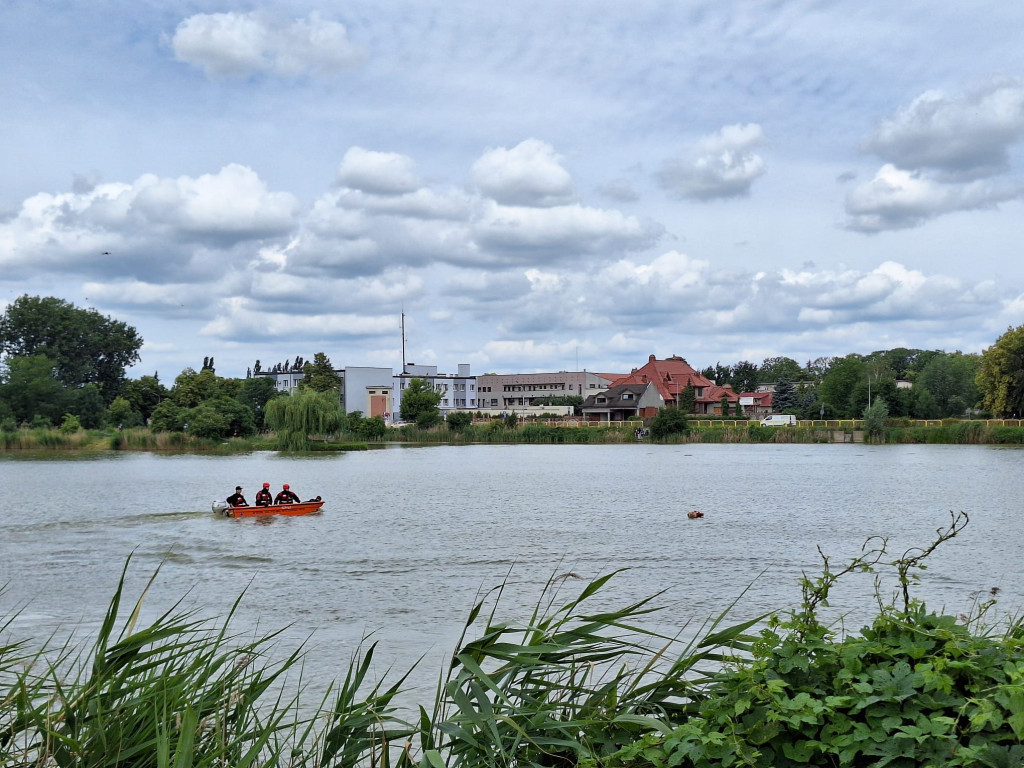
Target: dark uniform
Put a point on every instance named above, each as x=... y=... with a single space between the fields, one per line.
x=286 y=496
x=236 y=499
x=263 y=496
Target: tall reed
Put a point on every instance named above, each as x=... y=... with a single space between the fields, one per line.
x=181 y=692
x=570 y=684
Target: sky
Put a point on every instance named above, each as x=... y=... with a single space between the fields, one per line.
x=536 y=185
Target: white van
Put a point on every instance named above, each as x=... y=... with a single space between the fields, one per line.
x=779 y=420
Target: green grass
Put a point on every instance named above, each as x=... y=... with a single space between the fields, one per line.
x=949 y=432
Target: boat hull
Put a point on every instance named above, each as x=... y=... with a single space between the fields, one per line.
x=291 y=510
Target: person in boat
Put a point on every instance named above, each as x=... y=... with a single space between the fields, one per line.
x=236 y=499
x=264 y=498
x=286 y=496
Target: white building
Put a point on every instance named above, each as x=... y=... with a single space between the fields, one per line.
x=457 y=390
x=363 y=389
x=368 y=390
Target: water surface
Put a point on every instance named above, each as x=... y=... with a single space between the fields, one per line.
x=410 y=536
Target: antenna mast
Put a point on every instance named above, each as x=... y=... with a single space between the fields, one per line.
x=403 y=342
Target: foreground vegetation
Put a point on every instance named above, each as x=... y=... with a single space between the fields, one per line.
x=575 y=684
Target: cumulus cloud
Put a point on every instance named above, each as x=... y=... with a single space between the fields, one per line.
x=384 y=202
x=379 y=173
x=633 y=295
x=529 y=174
x=637 y=302
x=941 y=155
x=512 y=234
x=961 y=137
x=232 y=203
x=238 y=44
x=899 y=199
x=147 y=228
x=721 y=165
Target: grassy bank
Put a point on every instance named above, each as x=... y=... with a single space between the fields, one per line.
x=576 y=683
x=949 y=432
x=138 y=439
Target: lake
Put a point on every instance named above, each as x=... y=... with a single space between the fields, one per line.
x=411 y=535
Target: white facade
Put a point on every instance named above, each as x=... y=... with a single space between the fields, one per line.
x=457 y=390
x=368 y=390
x=285 y=381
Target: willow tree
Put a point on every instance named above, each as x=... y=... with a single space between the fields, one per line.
x=304 y=413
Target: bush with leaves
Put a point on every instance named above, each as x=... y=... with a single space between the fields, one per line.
x=874 y=418
x=669 y=421
x=70 y=424
x=373 y=428
x=913 y=689
x=459 y=420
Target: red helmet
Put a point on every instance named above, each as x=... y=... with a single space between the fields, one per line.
x=266 y=485
x=286 y=486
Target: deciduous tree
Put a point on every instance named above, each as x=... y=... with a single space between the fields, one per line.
x=838 y=387
x=775 y=368
x=85 y=346
x=144 y=394
x=745 y=376
x=951 y=381
x=319 y=375
x=30 y=388
x=191 y=388
x=417 y=398
x=1000 y=378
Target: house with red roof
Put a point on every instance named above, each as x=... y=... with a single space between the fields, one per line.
x=672 y=376
x=711 y=402
x=756 y=403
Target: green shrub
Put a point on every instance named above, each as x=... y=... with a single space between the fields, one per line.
x=428 y=419
x=914 y=688
x=459 y=420
x=70 y=424
x=668 y=422
x=1006 y=435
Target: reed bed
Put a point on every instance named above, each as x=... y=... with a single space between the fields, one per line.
x=50 y=440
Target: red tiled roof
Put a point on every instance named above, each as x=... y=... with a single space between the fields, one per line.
x=714 y=393
x=670 y=376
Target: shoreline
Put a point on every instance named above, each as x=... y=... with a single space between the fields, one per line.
x=896 y=431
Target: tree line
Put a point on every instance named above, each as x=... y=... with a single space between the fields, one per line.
x=64 y=366
x=941 y=384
